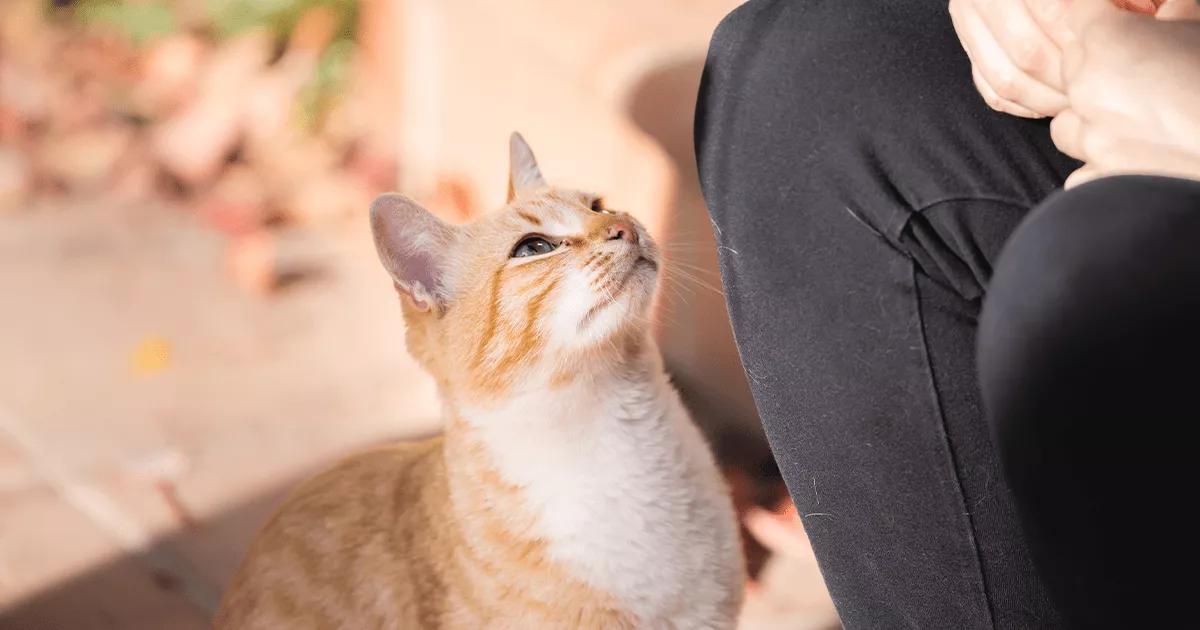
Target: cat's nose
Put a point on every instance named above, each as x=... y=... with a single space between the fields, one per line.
x=622 y=230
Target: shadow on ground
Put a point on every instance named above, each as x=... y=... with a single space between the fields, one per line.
x=158 y=587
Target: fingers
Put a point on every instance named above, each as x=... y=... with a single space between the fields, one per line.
x=1066 y=130
x=1120 y=88
x=1093 y=144
x=1082 y=175
x=1005 y=68
x=996 y=102
x=1023 y=41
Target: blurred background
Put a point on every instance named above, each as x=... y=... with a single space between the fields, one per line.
x=192 y=316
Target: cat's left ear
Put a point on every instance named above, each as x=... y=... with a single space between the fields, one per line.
x=523 y=171
x=415 y=248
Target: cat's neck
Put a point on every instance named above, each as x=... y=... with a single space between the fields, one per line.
x=602 y=470
x=550 y=423
x=555 y=428
x=530 y=449
x=535 y=429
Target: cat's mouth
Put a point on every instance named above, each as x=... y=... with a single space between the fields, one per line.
x=641 y=265
x=642 y=259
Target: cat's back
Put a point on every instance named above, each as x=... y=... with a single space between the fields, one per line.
x=356 y=546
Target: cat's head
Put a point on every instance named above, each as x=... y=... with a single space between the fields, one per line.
x=524 y=295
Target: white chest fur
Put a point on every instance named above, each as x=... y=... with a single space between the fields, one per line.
x=627 y=494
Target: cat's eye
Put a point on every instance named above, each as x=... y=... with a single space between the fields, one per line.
x=598 y=205
x=533 y=246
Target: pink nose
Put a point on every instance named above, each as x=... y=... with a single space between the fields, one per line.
x=622 y=230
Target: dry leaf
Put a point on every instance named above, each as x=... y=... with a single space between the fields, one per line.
x=151 y=356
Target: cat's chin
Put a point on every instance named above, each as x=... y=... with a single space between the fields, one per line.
x=645 y=274
x=626 y=308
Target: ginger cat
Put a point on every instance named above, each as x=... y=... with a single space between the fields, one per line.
x=569 y=489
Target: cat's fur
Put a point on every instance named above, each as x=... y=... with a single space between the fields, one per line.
x=570 y=488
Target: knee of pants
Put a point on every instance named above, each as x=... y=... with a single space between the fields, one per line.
x=856 y=66
x=808 y=106
x=1092 y=302
x=1086 y=348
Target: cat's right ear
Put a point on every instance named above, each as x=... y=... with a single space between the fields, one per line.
x=523 y=171
x=414 y=247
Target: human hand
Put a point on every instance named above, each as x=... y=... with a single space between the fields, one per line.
x=1131 y=86
x=1015 y=53
x=1015 y=58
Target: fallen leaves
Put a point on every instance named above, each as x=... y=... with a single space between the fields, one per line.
x=249 y=127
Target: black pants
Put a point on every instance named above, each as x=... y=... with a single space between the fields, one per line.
x=863 y=198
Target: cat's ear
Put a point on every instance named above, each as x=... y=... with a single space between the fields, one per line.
x=523 y=172
x=414 y=247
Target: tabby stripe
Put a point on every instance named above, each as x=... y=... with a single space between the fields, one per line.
x=459 y=571
x=497 y=377
x=603 y=258
x=493 y=314
x=516 y=553
x=603 y=283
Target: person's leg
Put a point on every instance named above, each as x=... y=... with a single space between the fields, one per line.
x=1088 y=348
x=859 y=190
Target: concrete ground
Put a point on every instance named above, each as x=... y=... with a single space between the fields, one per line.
x=151 y=413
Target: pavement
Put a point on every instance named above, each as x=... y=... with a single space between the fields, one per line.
x=151 y=413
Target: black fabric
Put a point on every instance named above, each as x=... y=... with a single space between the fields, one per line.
x=1088 y=349
x=861 y=192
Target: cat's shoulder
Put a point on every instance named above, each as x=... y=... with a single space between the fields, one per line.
x=360 y=486
x=396 y=461
x=347 y=520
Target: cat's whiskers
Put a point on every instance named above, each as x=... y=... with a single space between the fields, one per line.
x=683 y=278
x=600 y=277
x=606 y=297
x=666 y=308
x=676 y=262
x=599 y=259
x=610 y=284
